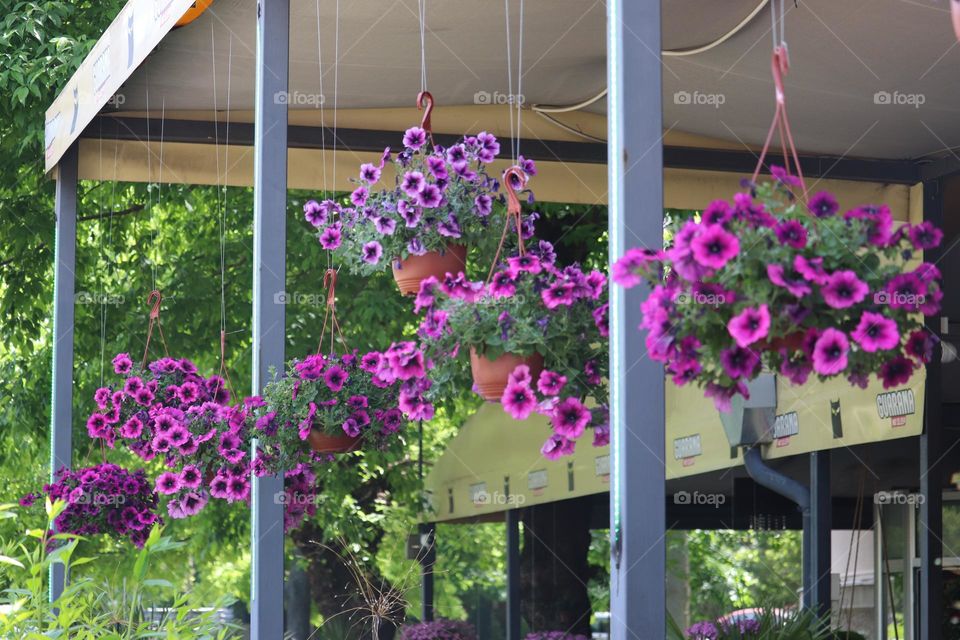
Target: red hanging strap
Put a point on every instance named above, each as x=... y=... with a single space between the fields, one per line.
x=330 y=314
x=779 y=66
x=514 y=213
x=425 y=102
x=154 y=300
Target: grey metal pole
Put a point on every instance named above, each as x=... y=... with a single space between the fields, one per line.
x=513 y=574
x=269 y=276
x=821 y=512
x=930 y=528
x=64 y=282
x=635 y=205
x=428 y=542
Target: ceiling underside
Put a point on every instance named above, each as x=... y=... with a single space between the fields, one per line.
x=843 y=54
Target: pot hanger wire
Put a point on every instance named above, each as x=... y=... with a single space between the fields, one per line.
x=514 y=99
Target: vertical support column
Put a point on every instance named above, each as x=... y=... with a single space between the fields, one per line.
x=61 y=396
x=269 y=275
x=930 y=528
x=635 y=205
x=820 y=529
x=428 y=544
x=879 y=575
x=513 y=574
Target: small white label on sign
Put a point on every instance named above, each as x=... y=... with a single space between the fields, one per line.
x=687 y=447
x=537 y=479
x=602 y=465
x=786 y=425
x=896 y=403
x=478 y=494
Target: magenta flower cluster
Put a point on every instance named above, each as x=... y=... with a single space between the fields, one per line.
x=439 y=197
x=103 y=499
x=554 y=635
x=530 y=305
x=439 y=630
x=724 y=630
x=802 y=290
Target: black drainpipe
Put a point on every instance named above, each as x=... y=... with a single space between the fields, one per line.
x=793 y=490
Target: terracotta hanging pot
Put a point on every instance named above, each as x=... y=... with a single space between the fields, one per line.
x=791 y=342
x=490 y=376
x=324 y=443
x=414 y=269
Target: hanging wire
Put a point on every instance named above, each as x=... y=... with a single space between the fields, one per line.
x=216 y=150
x=422 y=6
x=506 y=15
x=336 y=87
x=518 y=98
x=226 y=181
x=323 y=121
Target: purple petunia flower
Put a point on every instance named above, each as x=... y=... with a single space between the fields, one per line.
x=550 y=383
x=843 y=289
x=369 y=173
x=414 y=138
x=122 y=363
x=876 y=332
x=896 y=371
x=823 y=205
x=384 y=225
x=920 y=345
x=430 y=196
x=314 y=213
x=557 y=446
x=810 y=269
x=925 y=235
x=713 y=247
x=570 y=418
x=335 y=377
x=750 y=325
x=372 y=251
x=168 y=483
x=483 y=204
x=330 y=238
x=830 y=352
x=739 y=362
x=777 y=276
x=413 y=183
x=791 y=233
x=518 y=400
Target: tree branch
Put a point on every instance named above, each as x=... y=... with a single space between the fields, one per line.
x=137 y=208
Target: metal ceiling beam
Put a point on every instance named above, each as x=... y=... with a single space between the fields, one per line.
x=110 y=127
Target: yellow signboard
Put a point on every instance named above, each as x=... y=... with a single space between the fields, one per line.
x=811 y=417
x=133 y=34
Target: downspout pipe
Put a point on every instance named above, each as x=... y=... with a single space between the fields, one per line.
x=789 y=488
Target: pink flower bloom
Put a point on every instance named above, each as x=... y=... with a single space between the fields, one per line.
x=122 y=363
x=717 y=212
x=739 y=362
x=920 y=345
x=876 y=332
x=635 y=261
x=776 y=274
x=502 y=285
x=896 y=372
x=796 y=371
x=520 y=375
x=132 y=428
x=369 y=173
x=811 y=269
x=925 y=235
x=713 y=247
x=168 y=483
x=413 y=183
x=550 y=383
x=823 y=205
x=843 y=289
x=559 y=293
x=190 y=477
x=372 y=251
x=830 y=352
x=314 y=213
x=570 y=418
x=791 y=233
x=523 y=264
x=431 y=196
x=359 y=196
x=557 y=446
x=414 y=138
x=335 y=377
x=750 y=325
x=518 y=400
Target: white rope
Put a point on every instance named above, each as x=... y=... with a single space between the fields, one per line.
x=506 y=14
x=518 y=98
x=336 y=88
x=716 y=43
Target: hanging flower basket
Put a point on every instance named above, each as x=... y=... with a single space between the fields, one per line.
x=104 y=499
x=440 y=203
x=767 y=282
x=536 y=334
x=413 y=269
